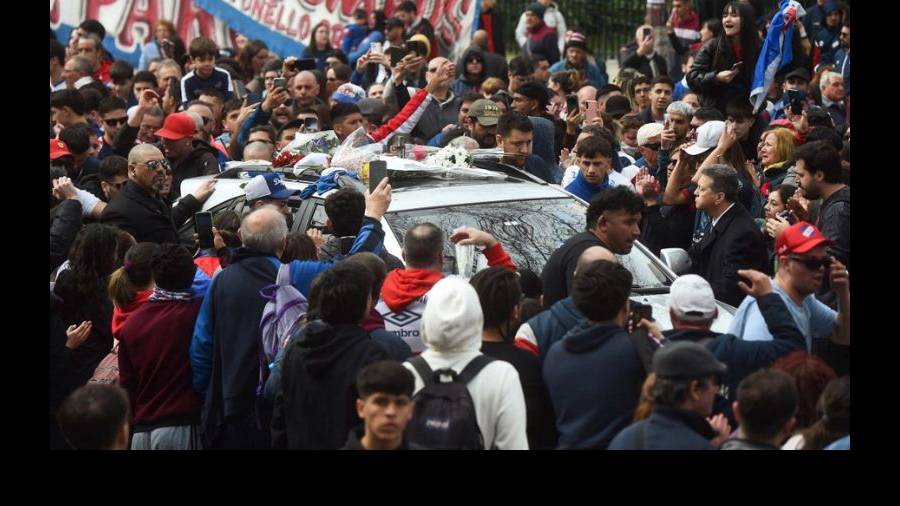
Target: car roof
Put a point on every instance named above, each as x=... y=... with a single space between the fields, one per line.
x=407 y=194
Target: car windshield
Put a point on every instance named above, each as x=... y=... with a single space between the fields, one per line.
x=530 y=231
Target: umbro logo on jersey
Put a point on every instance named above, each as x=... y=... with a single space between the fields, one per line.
x=402 y=318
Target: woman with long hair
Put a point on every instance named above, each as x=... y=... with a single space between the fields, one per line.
x=834 y=419
x=724 y=67
x=319 y=45
x=85 y=301
x=500 y=296
x=252 y=60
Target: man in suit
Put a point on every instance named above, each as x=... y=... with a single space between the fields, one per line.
x=733 y=241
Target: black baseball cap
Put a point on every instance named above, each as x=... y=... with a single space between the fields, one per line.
x=686 y=360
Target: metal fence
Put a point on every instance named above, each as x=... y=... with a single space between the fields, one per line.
x=610 y=24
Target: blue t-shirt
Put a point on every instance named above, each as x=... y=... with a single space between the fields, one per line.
x=192 y=85
x=814 y=319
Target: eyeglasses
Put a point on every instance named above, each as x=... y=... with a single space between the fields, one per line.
x=158 y=164
x=116 y=121
x=813 y=264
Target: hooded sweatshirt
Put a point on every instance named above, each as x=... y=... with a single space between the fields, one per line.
x=405 y=293
x=316 y=406
x=121 y=314
x=451 y=330
x=594 y=376
x=547 y=327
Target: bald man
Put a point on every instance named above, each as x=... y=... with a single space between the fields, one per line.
x=305 y=89
x=138 y=208
x=258 y=150
x=443 y=111
x=540 y=332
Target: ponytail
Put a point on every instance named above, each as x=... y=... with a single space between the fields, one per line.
x=126 y=281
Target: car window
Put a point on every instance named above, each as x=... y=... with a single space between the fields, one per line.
x=530 y=231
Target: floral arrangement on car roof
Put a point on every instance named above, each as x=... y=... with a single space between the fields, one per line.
x=451 y=156
x=304 y=144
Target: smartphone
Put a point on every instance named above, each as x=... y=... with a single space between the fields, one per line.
x=203 y=224
x=175 y=90
x=593 y=110
x=376 y=48
x=640 y=311
x=666 y=121
x=572 y=102
x=397 y=54
x=305 y=64
x=280 y=82
x=311 y=125
x=377 y=172
x=796 y=101
x=788 y=215
x=647 y=32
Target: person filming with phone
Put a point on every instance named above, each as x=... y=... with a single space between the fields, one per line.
x=646 y=60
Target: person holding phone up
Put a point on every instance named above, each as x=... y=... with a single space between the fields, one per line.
x=723 y=69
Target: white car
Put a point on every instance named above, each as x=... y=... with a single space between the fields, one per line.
x=531 y=220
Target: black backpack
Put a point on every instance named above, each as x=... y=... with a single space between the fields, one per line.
x=444 y=417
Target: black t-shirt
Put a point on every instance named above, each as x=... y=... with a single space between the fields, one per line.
x=541 y=421
x=557 y=274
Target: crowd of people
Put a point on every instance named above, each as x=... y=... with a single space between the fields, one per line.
x=274 y=339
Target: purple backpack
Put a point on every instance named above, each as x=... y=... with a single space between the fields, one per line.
x=282 y=314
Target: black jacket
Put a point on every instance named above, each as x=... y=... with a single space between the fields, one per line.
x=666 y=429
x=316 y=405
x=541 y=422
x=496 y=18
x=91 y=183
x=834 y=222
x=146 y=216
x=65 y=222
x=354 y=441
x=734 y=243
x=642 y=64
x=201 y=161
x=711 y=60
x=560 y=268
x=74 y=309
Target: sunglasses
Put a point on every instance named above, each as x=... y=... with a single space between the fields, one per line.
x=158 y=164
x=813 y=264
x=118 y=186
x=116 y=121
x=652 y=147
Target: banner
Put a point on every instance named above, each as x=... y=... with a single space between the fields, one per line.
x=284 y=25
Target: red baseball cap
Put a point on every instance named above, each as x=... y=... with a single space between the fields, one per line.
x=177 y=126
x=799 y=238
x=58 y=149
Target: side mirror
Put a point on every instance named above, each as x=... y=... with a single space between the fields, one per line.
x=676 y=259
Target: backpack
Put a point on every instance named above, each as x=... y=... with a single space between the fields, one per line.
x=444 y=416
x=282 y=313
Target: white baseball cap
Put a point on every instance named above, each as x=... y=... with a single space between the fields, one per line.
x=691 y=299
x=267 y=185
x=647 y=131
x=707 y=137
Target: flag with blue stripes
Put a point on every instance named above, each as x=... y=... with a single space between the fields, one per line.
x=777 y=50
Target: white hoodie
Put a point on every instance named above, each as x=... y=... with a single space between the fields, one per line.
x=451 y=330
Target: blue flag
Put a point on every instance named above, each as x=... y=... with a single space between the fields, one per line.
x=777 y=51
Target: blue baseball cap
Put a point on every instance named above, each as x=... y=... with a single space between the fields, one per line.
x=267 y=185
